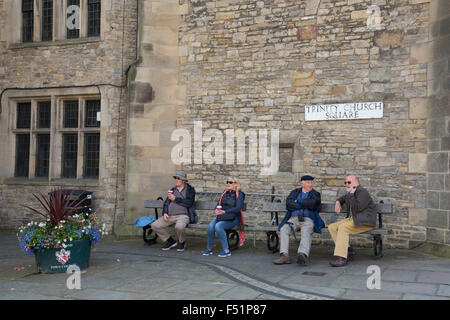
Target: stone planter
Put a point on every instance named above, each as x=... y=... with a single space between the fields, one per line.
x=57 y=260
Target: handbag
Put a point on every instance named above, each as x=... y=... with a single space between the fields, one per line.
x=226 y=217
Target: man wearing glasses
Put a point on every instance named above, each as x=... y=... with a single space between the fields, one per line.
x=362 y=217
x=302 y=206
x=176 y=211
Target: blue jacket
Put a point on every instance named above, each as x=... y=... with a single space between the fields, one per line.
x=313 y=203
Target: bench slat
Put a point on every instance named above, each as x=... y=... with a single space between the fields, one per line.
x=382 y=208
x=205 y=205
x=158 y=204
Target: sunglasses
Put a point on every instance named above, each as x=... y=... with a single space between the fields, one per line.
x=230 y=182
x=347 y=182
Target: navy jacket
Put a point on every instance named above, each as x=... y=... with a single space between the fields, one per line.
x=312 y=203
x=188 y=202
x=231 y=205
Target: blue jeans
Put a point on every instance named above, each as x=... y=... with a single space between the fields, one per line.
x=219 y=227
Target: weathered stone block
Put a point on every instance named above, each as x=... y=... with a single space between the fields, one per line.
x=417 y=162
x=447 y=182
x=445 y=27
x=437 y=219
x=444 y=200
x=433 y=200
x=436 y=128
x=417 y=217
x=423 y=53
x=418 y=108
x=436 y=181
x=437 y=162
x=225 y=15
x=359 y=14
x=439 y=107
x=380 y=75
x=418 y=1
x=338 y=90
x=388 y=38
x=306 y=33
x=311 y=7
x=143 y=92
x=436 y=235
x=303 y=78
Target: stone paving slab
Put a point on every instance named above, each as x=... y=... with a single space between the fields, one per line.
x=364 y=294
x=409 y=287
x=412 y=296
x=434 y=277
x=399 y=275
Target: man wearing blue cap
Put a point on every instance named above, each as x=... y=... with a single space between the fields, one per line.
x=302 y=207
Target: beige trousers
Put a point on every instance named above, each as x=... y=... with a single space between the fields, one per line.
x=180 y=221
x=341 y=231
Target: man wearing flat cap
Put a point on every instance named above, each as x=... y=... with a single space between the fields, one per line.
x=178 y=210
x=302 y=207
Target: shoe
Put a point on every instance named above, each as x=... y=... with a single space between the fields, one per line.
x=207 y=252
x=302 y=259
x=351 y=255
x=340 y=262
x=180 y=247
x=283 y=259
x=169 y=244
x=224 y=254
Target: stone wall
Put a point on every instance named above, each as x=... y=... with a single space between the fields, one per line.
x=438 y=123
x=85 y=61
x=256 y=64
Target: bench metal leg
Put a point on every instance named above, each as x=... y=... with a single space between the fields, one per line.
x=377 y=246
x=146 y=235
x=272 y=241
x=233 y=239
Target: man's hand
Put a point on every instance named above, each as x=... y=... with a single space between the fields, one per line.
x=337 y=207
x=218 y=212
x=166 y=217
x=171 y=197
x=352 y=189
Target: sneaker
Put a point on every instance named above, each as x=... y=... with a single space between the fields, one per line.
x=169 y=244
x=181 y=246
x=302 y=259
x=207 y=252
x=224 y=254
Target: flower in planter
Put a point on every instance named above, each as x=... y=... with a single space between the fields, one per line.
x=60 y=226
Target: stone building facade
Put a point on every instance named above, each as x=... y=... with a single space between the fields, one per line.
x=59 y=70
x=236 y=66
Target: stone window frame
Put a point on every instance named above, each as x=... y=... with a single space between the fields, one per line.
x=59 y=23
x=56 y=131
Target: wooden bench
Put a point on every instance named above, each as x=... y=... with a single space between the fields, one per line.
x=328 y=208
x=200 y=205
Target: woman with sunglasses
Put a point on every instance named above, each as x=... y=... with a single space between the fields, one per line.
x=228 y=215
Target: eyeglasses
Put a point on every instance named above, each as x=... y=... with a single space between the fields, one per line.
x=176 y=178
x=230 y=182
x=347 y=182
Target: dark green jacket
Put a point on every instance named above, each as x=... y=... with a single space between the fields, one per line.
x=364 y=209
